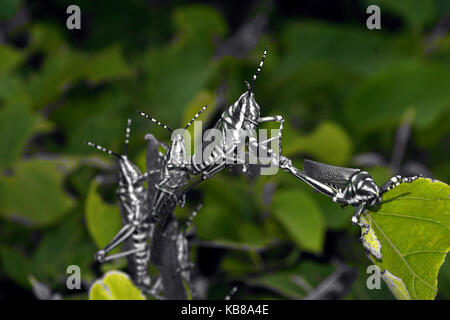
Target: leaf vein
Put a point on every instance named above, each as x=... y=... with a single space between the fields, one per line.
x=411 y=217
x=415 y=275
x=418 y=198
x=422 y=251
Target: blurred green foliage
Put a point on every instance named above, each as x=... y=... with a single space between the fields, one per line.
x=342 y=88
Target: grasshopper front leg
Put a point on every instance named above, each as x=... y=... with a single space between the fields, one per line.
x=396 y=181
x=279 y=119
x=356 y=218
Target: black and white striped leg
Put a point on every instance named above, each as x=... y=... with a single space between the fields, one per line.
x=120 y=255
x=154 y=290
x=219 y=161
x=356 y=218
x=279 y=119
x=208 y=173
x=124 y=233
x=396 y=181
x=146 y=175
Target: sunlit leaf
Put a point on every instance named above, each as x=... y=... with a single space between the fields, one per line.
x=102 y=219
x=412 y=225
x=9 y=58
x=328 y=142
x=115 y=285
x=301 y=217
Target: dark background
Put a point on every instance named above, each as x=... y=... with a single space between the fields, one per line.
x=375 y=99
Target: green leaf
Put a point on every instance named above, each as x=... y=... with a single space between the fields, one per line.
x=45 y=37
x=201 y=99
x=198 y=22
x=115 y=285
x=234 y=218
x=412 y=225
x=336 y=218
x=63 y=245
x=396 y=286
x=8 y=8
x=60 y=70
x=416 y=13
x=106 y=65
x=301 y=217
x=444 y=281
x=16 y=127
x=328 y=142
x=384 y=98
x=65 y=66
x=358 y=50
x=178 y=71
x=297 y=282
x=15 y=265
x=9 y=57
x=34 y=193
x=102 y=219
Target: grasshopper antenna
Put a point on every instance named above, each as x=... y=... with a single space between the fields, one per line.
x=191 y=218
x=232 y=292
x=250 y=87
x=195 y=117
x=155 y=121
x=101 y=148
x=127 y=137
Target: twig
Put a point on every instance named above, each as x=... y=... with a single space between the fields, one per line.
x=401 y=140
x=335 y=285
x=230 y=246
x=439 y=31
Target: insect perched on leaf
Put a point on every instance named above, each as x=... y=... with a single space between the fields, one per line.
x=174 y=167
x=346 y=186
x=237 y=122
x=137 y=224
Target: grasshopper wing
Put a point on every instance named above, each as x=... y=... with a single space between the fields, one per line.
x=332 y=175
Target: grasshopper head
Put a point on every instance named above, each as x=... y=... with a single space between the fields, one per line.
x=129 y=173
x=178 y=154
x=246 y=111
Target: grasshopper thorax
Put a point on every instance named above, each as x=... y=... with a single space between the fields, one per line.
x=364 y=189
